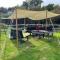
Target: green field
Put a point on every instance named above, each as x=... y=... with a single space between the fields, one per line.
x=35 y=49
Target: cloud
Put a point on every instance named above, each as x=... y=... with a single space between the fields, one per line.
x=10 y=3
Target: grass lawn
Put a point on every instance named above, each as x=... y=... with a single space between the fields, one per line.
x=57 y=35
x=35 y=49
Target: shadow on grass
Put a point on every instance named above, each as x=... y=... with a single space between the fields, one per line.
x=22 y=43
x=33 y=53
x=27 y=54
x=24 y=46
x=28 y=51
x=51 y=41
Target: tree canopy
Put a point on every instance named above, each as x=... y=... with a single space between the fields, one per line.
x=32 y=4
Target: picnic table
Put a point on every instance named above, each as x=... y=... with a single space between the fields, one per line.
x=41 y=33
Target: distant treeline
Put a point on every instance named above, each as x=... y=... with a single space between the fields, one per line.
x=33 y=5
x=5 y=10
x=37 y=5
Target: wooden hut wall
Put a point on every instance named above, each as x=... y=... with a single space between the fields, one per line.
x=57 y=21
x=21 y=21
x=6 y=21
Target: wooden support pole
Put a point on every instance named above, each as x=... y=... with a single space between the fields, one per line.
x=24 y=24
x=46 y=20
x=0 y=32
x=16 y=28
x=52 y=24
x=0 y=27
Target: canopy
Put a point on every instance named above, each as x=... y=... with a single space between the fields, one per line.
x=34 y=15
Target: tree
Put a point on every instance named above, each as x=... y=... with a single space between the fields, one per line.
x=56 y=9
x=32 y=4
x=3 y=10
x=36 y=3
x=50 y=7
x=25 y=5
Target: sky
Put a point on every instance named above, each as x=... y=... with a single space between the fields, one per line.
x=11 y=3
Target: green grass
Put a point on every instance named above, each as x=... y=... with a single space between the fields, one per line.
x=35 y=49
x=57 y=34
